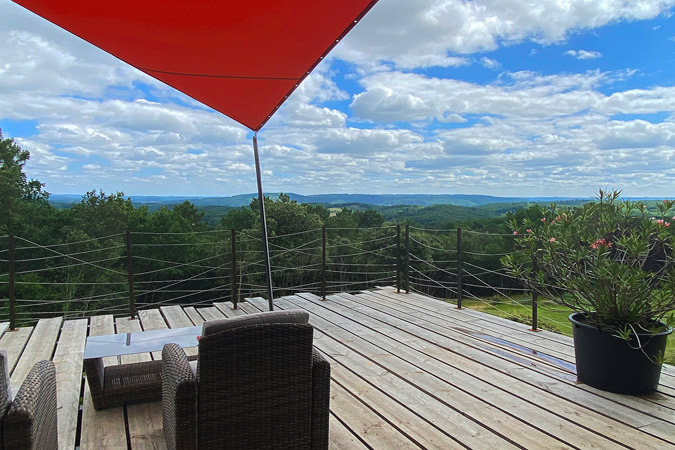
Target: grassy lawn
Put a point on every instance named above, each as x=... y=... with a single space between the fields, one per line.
x=551 y=316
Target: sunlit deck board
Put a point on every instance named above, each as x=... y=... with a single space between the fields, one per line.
x=350 y=393
x=641 y=412
x=538 y=351
x=177 y=318
x=105 y=428
x=192 y=313
x=40 y=346
x=449 y=397
x=407 y=372
x=68 y=363
x=211 y=313
x=14 y=342
x=226 y=309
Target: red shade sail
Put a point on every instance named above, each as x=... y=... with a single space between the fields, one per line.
x=240 y=57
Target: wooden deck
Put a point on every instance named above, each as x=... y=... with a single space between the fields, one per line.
x=407 y=372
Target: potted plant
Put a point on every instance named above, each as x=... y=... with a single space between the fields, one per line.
x=611 y=263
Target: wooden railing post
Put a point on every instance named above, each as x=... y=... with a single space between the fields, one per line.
x=459 y=268
x=130 y=277
x=233 y=274
x=398 y=258
x=323 y=262
x=407 y=258
x=11 y=292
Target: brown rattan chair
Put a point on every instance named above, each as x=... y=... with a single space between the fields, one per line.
x=29 y=422
x=258 y=384
x=124 y=383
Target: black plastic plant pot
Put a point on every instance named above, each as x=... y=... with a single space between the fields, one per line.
x=610 y=363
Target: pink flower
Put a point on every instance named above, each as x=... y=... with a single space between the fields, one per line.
x=515 y=233
x=600 y=243
x=552 y=240
x=667 y=224
x=529 y=230
x=659 y=221
x=543 y=219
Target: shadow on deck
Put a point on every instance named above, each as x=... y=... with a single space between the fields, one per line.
x=408 y=371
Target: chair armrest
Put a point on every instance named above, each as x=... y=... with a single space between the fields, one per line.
x=320 y=400
x=31 y=419
x=179 y=399
x=95 y=372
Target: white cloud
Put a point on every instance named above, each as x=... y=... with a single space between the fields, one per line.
x=426 y=33
x=583 y=54
x=490 y=63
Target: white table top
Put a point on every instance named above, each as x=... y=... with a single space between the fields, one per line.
x=140 y=341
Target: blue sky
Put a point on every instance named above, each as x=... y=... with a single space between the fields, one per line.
x=511 y=98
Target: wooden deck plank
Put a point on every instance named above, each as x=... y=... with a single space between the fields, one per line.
x=542 y=337
x=374 y=430
x=177 y=318
x=396 y=413
x=490 y=384
x=152 y=320
x=444 y=314
x=459 y=389
x=194 y=315
x=40 y=346
x=103 y=429
x=211 y=313
x=593 y=398
x=14 y=342
x=663 y=404
x=226 y=309
x=68 y=363
x=425 y=401
x=341 y=437
x=144 y=419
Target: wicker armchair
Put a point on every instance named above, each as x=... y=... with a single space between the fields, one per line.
x=29 y=422
x=258 y=383
x=124 y=383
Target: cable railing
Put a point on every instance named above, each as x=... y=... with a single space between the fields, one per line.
x=123 y=273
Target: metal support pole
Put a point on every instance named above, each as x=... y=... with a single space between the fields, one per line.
x=535 y=269
x=10 y=287
x=459 y=268
x=398 y=258
x=263 y=224
x=534 y=312
x=130 y=277
x=323 y=262
x=233 y=284
x=407 y=258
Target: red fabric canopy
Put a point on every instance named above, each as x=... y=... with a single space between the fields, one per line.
x=240 y=57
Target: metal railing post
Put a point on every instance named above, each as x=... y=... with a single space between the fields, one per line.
x=407 y=258
x=535 y=269
x=459 y=268
x=398 y=258
x=233 y=273
x=534 y=312
x=130 y=277
x=11 y=292
x=323 y=262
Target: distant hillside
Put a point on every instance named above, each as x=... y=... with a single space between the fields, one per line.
x=325 y=199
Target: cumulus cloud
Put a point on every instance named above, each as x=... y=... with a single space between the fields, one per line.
x=490 y=63
x=428 y=33
x=583 y=54
x=99 y=123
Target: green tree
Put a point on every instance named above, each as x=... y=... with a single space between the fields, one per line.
x=17 y=193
